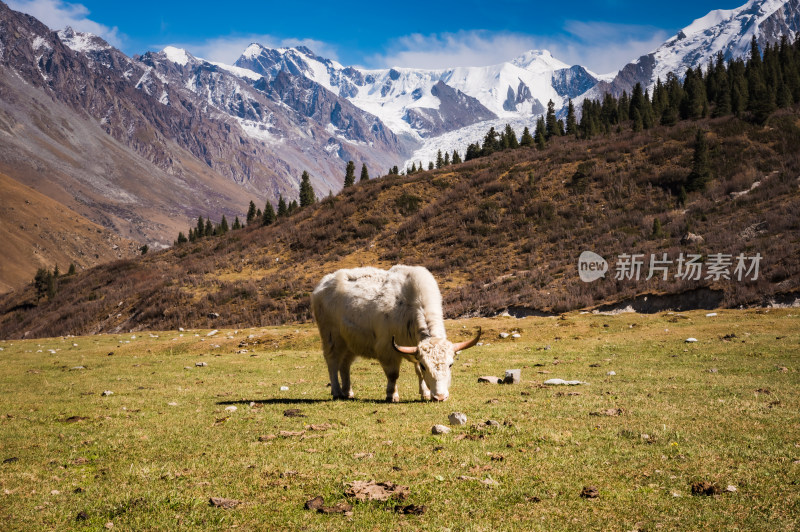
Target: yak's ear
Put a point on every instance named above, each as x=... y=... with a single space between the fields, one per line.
x=405 y=350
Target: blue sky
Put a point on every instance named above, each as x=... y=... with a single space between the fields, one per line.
x=602 y=35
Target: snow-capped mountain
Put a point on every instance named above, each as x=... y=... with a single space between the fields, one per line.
x=427 y=103
x=726 y=31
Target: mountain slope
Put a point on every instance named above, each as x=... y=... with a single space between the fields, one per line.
x=133 y=145
x=501 y=232
x=38 y=232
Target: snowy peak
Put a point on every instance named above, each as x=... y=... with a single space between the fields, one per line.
x=725 y=31
x=179 y=56
x=82 y=42
x=428 y=102
x=538 y=60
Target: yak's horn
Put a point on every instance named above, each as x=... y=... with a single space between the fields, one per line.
x=403 y=349
x=469 y=343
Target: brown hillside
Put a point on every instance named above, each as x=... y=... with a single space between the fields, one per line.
x=38 y=232
x=497 y=232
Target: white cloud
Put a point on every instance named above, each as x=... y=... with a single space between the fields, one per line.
x=227 y=49
x=57 y=15
x=601 y=47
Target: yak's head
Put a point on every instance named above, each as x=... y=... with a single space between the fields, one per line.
x=435 y=358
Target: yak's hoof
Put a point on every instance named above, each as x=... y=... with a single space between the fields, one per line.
x=393 y=399
x=426 y=397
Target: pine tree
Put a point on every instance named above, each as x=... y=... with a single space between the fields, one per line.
x=539 y=136
x=473 y=152
x=430 y=165
x=209 y=230
x=511 y=137
x=439 y=159
x=268 y=218
x=364 y=172
x=572 y=124
x=292 y=207
x=223 y=226
x=456 y=157
x=200 y=232
x=526 y=139
x=490 y=142
x=181 y=240
x=237 y=224
x=701 y=165
x=413 y=168
x=551 y=126
x=657 y=232
x=446 y=159
x=395 y=170
x=57 y=274
x=283 y=210
x=307 y=196
x=71 y=270
x=251 y=213
x=350 y=174
x=42 y=283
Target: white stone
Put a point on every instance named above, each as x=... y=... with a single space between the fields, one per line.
x=457 y=418
x=731 y=488
x=611 y=373
x=503 y=335
x=711 y=314
x=231 y=408
x=200 y=364
x=691 y=340
x=440 y=429
x=284 y=388
x=107 y=393
x=512 y=376
x=212 y=333
x=516 y=335
x=562 y=382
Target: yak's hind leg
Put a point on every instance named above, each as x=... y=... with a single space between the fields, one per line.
x=424 y=392
x=335 y=352
x=344 y=372
x=392 y=370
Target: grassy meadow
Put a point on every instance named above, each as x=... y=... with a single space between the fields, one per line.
x=725 y=410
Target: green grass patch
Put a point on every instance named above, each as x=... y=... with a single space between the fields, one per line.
x=722 y=410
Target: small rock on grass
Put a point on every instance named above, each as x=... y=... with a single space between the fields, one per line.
x=221 y=502
x=490 y=379
x=731 y=488
x=512 y=376
x=440 y=429
x=457 y=418
x=231 y=408
x=107 y=393
x=562 y=382
x=590 y=492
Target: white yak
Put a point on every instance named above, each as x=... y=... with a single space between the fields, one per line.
x=367 y=312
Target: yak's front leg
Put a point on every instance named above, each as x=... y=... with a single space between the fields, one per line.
x=424 y=392
x=392 y=370
x=333 y=374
